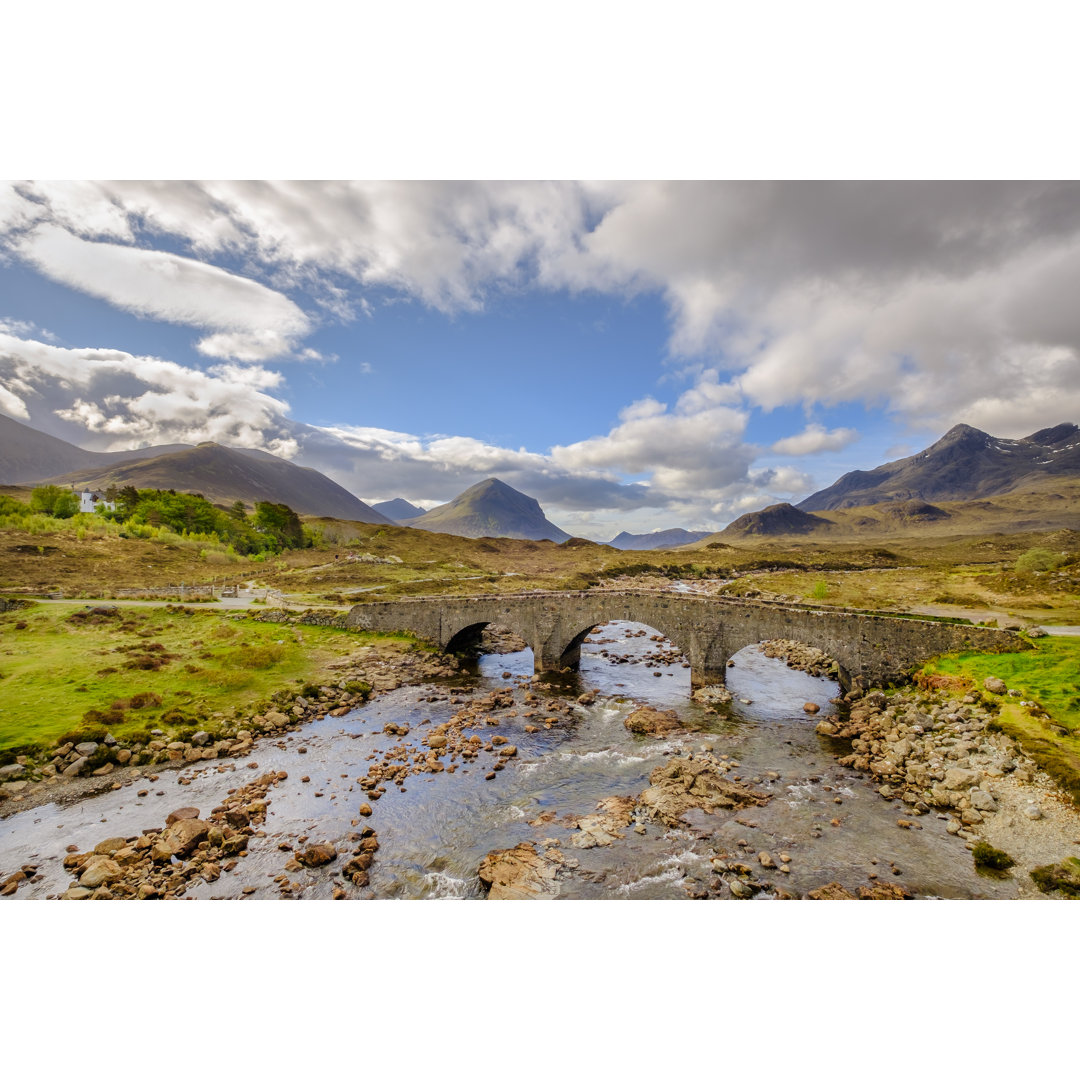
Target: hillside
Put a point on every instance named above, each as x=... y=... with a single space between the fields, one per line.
x=224 y=474
x=1054 y=504
x=28 y=456
x=656 y=541
x=491 y=508
x=964 y=464
x=781 y=519
x=397 y=509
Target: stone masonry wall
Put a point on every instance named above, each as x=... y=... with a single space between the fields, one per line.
x=874 y=649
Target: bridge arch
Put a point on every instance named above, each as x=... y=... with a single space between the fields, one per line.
x=466 y=638
x=568 y=650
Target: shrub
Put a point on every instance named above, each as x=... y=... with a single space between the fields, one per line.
x=819 y=591
x=1063 y=876
x=1037 y=560
x=144 y=700
x=988 y=857
x=110 y=717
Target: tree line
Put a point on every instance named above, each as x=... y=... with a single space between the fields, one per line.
x=273 y=527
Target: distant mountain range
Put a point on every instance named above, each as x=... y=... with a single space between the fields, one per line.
x=28 y=456
x=965 y=463
x=656 y=541
x=491 y=508
x=985 y=482
x=397 y=509
x=223 y=474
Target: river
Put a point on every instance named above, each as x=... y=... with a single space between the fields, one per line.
x=434 y=832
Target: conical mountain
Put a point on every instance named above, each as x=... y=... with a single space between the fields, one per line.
x=491 y=508
x=656 y=541
x=397 y=509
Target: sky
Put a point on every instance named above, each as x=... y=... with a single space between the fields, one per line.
x=636 y=355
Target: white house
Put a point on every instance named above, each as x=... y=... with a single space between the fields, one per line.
x=90 y=500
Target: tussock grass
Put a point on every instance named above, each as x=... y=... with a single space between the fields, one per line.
x=62 y=678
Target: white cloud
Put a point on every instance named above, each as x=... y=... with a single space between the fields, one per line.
x=814 y=439
x=807 y=292
x=254 y=322
x=121 y=401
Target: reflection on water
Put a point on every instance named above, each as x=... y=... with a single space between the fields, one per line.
x=434 y=832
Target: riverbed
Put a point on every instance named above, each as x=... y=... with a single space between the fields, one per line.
x=822 y=823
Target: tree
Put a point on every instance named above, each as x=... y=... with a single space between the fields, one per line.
x=238 y=510
x=57 y=501
x=67 y=505
x=280 y=522
x=43 y=499
x=127 y=499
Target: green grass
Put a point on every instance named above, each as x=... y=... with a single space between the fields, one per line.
x=54 y=670
x=1049 y=675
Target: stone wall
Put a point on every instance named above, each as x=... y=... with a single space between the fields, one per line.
x=871 y=649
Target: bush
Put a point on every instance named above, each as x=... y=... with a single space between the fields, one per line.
x=991 y=858
x=819 y=591
x=1063 y=876
x=1037 y=560
x=57 y=501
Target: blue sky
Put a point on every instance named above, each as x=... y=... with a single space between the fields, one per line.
x=635 y=355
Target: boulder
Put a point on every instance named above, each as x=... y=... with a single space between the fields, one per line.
x=994 y=685
x=85 y=749
x=833 y=891
x=521 y=873
x=317 y=855
x=960 y=779
x=687 y=783
x=110 y=846
x=185 y=813
x=883 y=890
x=712 y=696
x=650 y=721
x=186 y=835
x=601 y=828
x=100 y=870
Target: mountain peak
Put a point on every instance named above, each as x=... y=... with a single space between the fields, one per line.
x=491 y=508
x=965 y=463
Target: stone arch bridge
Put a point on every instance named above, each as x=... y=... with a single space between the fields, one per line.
x=870 y=650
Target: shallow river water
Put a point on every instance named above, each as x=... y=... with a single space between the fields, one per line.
x=434 y=832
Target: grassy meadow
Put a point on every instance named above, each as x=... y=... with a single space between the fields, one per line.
x=65 y=671
x=1050 y=677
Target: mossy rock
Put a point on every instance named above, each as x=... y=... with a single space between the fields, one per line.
x=1063 y=877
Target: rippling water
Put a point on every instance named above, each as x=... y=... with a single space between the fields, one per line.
x=434 y=833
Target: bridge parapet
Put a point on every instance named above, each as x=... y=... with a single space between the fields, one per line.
x=875 y=650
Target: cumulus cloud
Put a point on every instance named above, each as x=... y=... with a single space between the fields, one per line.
x=112 y=400
x=814 y=439
x=805 y=291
